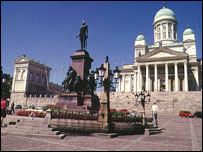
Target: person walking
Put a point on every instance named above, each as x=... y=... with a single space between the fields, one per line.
x=3 y=110
x=154 y=114
x=12 y=107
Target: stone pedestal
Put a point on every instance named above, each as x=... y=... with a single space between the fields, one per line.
x=74 y=101
x=103 y=117
x=81 y=63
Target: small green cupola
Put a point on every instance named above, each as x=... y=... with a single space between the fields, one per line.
x=140 y=37
x=188 y=31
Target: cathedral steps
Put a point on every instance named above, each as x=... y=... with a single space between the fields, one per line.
x=31 y=127
x=191 y=101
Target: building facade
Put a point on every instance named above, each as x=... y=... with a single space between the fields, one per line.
x=168 y=65
x=31 y=79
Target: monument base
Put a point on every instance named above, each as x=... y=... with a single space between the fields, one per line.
x=74 y=101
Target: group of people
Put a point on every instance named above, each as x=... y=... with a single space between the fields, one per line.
x=4 y=109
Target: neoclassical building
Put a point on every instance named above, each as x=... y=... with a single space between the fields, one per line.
x=168 y=65
x=31 y=78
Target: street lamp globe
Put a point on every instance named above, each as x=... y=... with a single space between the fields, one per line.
x=101 y=70
x=116 y=73
x=96 y=74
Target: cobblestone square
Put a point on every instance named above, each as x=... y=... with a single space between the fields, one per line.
x=180 y=134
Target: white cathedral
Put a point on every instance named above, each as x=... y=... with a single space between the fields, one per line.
x=168 y=65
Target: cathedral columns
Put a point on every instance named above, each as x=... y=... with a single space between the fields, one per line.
x=166 y=76
x=185 y=76
x=135 y=82
x=147 y=77
x=155 y=77
x=138 y=79
x=176 y=76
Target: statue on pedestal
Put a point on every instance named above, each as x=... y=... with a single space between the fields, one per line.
x=83 y=35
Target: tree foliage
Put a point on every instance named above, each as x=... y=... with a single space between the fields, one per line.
x=6 y=83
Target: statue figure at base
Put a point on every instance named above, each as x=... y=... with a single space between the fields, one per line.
x=83 y=35
x=69 y=80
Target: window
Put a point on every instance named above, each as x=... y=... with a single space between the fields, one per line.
x=23 y=75
x=158 y=32
x=31 y=76
x=164 y=27
x=164 y=34
x=169 y=34
x=18 y=75
x=159 y=36
x=37 y=78
x=164 y=30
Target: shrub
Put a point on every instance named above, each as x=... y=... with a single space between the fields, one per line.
x=198 y=114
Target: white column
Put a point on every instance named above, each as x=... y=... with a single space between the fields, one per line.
x=14 y=78
x=176 y=77
x=196 y=75
x=138 y=79
x=185 y=76
x=155 y=77
x=149 y=81
x=166 y=77
x=123 y=84
x=130 y=81
x=135 y=82
x=147 y=77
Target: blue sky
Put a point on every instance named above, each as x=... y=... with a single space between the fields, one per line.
x=46 y=31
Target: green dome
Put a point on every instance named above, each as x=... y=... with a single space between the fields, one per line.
x=188 y=31
x=166 y=12
x=140 y=37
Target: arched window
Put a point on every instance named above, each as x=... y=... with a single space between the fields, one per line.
x=158 y=32
x=164 y=30
x=43 y=80
x=23 y=75
x=18 y=76
x=169 y=30
x=37 y=77
x=31 y=76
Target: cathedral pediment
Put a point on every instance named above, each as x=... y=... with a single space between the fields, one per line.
x=161 y=54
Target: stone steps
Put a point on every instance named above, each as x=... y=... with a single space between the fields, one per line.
x=191 y=101
x=151 y=129
x=30 y=128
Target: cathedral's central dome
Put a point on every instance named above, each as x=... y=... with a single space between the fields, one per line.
x=165 y=12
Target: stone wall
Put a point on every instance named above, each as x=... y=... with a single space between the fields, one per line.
x=20 y=99
x=191 y=101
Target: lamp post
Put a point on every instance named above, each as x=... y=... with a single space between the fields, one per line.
x=106 y=77
x=142 y=97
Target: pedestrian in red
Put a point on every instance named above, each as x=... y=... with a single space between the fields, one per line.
x=3 y=110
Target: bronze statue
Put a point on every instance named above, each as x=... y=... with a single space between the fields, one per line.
x=69 y=80
x=91 y=85
x=83 y=35
x=78 y=84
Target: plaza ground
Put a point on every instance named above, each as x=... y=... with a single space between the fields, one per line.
x=180 y=134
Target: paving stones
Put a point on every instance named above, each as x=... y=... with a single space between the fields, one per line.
x=176 y=137
x=29 y=127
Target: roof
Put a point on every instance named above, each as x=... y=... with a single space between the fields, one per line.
x=23 y=59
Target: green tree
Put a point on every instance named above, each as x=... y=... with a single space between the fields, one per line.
x=6 y=83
